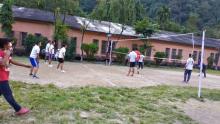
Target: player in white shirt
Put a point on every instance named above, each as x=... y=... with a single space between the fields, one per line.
x=34 y=59
x=61 y=57
x=47 y=51
x=140 y=63
x=188 y=68
x=51 y=53
x=132 y=59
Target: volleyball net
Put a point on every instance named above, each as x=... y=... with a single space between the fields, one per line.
x=190 y=36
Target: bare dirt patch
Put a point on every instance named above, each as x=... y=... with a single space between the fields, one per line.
x=87 y=74
x=207 y=112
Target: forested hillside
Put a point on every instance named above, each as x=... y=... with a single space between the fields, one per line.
x=173 y=15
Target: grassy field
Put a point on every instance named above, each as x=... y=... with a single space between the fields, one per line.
x=98 y=105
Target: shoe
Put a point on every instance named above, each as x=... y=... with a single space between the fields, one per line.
x=23 y=111
x=63 y=71
x=34 y=76
x=30 y=74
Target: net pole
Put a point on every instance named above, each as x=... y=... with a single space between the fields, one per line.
x=110 y=56
x=201 y=65
x=193 y=41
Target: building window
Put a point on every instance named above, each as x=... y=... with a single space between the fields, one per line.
x=167 y=52
x=38 y=34
x=180 y=54
x=23 y=37
x=173 y=54
x=195 y=55
x=134 y=46
x=96 y=42
x=148 y=51
x=104 y=47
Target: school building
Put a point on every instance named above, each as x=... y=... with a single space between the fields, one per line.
x=40 y=23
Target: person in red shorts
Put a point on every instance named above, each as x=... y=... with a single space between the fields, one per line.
x=5 y=90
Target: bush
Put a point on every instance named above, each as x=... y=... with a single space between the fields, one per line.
x=30 y=41
x=19 y=51
x=71 y=50
x=121 y=57
x=90 y=50
x=158 y=56
x=210 y=60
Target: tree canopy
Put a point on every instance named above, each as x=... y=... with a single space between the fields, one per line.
x=171 y=15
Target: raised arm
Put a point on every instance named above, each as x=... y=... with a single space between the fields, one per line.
x=19 y=64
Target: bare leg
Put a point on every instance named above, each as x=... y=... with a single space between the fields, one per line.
x=132 y=72
x=58 y=65
x=129 y=71
x=35 y=71
x=61 y=66
x=31 y=71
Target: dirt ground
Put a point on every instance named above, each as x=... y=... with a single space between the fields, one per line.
x=87 y=74
x=207 y=112
x=84 y=74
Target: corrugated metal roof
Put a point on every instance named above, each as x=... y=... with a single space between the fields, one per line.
x=103 y=26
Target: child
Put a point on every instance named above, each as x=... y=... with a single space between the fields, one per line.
x=132 y=59
x=61 y=57
x=34 y=59
x=47 y=51
x=51 y=53
x=5 y=90
x=140 y=63
x=188 y=68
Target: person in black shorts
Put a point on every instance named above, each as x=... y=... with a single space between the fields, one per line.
x=132 y=59
x=61 y=57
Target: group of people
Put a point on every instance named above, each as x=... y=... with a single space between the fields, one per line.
x=136 y=59
x=189 y=67
x=6 y=59
x=49 y=54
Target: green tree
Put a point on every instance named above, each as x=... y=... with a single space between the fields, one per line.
x=146 y=28
x=192 y=23
x=90 y=50
x=30 y=41
x=71 y=49
x=163 y=17
x=159 y=56
x=121 y=11
x=60 y=29
x=121 y=57
x=210 y=60
x=6 y=17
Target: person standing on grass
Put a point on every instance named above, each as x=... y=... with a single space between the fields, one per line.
x=47 y=51
x=61 y=57
x=34 y=59
x=132 y=59
x=140 y=63
x=204 y=69
x=51 y=53
x=188 y=68
x=5 y=90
